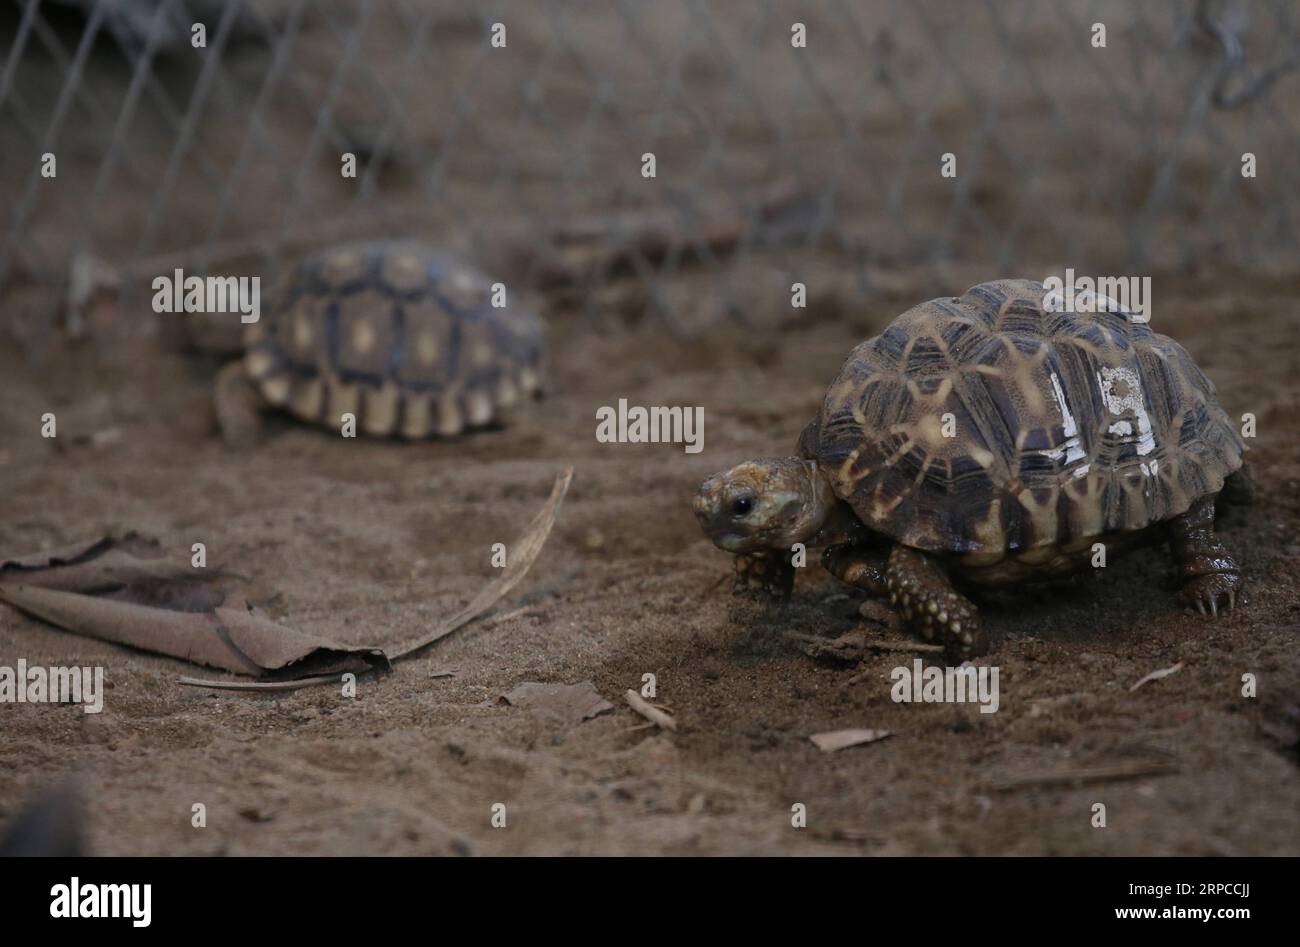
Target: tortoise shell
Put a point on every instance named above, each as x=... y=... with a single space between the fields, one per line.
x=400 y=335
x=986 y=425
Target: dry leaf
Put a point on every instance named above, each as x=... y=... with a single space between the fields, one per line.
x=99 y=565
x=571 y=703
x=125 y=590
x=232 y=636
x=834 y=740
x=525 y=553
x=149 y=602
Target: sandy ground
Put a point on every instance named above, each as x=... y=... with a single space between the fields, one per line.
x=371 y=542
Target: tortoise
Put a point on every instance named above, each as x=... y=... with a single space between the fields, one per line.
x=402 y=336
x=988 y=440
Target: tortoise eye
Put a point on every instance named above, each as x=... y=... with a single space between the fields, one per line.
x=741 y=506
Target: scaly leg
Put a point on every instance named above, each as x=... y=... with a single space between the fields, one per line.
x=933 y=608
x=1210 y=574
x=239 y=406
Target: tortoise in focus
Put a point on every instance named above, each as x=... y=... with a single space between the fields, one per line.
x=989 y=440
x=401 y=336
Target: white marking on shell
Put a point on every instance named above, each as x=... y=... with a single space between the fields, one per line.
x=276 y=390
x=309 y=398
x=478 y=407
x=343 y=399
x=1131 y=404
x=507 y=393
x=450 y=422
x=426 y=348
x=404 y=270
x=1070 y=450
x=258 y=363
x=415 y=417
x=363 y=337
x=302 y=332
x=342 y=266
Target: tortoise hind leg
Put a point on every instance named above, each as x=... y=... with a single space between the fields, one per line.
x=1238 y=488
x=239 y=406
x=920 y=588
x=1210 y=574
x=858 y=566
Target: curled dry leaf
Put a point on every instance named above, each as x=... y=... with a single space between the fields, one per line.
x=126 y=591
x=226 y=632
x=98 y=565
x=523 y=554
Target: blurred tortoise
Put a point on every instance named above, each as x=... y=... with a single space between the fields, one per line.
x=401 y=336
x=987 y=440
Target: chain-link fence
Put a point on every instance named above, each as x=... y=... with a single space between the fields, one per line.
x=1007 y=136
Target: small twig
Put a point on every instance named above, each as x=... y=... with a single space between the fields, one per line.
x=650 y=711
x=883 y=644
x=494 y=620
x=1132 y=769
x=1156 y=675
x=835 y=740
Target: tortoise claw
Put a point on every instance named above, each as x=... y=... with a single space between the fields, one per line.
x=1208 y=591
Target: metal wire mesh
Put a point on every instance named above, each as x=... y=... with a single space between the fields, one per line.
x=1067 y=153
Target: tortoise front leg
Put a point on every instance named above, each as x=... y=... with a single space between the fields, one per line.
x=238 y=405
x=933 y=609
x=769 y=570
x=1210 y=574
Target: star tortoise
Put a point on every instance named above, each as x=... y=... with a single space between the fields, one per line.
x=988 y=440
x=401 y=336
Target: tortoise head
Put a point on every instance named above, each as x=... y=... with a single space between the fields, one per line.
x=763 y=504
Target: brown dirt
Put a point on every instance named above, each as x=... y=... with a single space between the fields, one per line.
x=370 y=542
